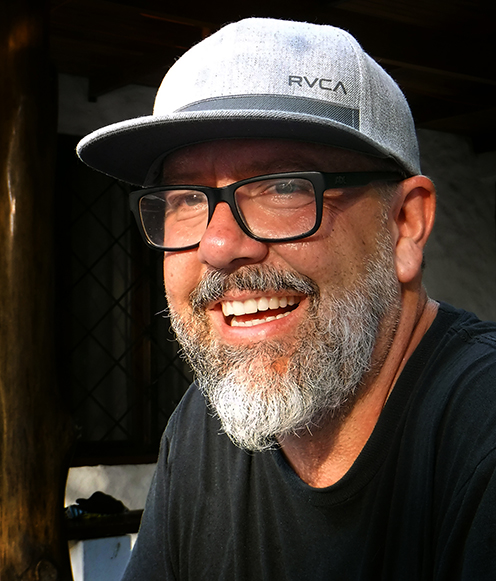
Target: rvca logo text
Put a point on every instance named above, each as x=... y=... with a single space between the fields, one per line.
x=325 y=84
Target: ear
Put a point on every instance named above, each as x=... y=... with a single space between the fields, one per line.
x=413 y=211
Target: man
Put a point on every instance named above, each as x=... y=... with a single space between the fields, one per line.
x=347 y=424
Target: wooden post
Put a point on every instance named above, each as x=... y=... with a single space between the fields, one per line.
x=35 y=432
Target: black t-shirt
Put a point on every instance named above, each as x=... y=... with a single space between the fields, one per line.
x=419 y=502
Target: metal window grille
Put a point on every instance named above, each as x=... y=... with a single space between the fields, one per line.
x=119 y=362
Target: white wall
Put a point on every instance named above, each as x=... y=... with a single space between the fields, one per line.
x=128 y=484
x=77 y=116
x=461 y=254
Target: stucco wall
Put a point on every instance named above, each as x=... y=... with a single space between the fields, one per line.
x=461 y=253
x=129 y=483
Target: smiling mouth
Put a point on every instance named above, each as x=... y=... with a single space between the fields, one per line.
x=252 y=312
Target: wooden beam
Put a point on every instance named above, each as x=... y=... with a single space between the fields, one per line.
x=35 y=431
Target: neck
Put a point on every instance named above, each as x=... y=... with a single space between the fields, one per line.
x=323 y=455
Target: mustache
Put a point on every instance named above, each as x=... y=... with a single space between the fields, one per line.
x=256 y=278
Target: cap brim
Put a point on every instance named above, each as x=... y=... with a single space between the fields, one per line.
x=130 y=149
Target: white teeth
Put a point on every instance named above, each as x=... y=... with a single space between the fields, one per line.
x=264 y=303
x=238 y=308
x=251 y=306
x=254 y=322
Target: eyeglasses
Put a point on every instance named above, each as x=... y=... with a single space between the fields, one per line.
x=271 y=208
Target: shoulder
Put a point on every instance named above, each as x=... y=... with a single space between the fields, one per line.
x=455 y=363
x=467 y=325
x=446 y=394
x=192 y=405
x=454 y=399
x=188 y=422
x=463 y=360
x=451 y=321
x=458 y=347
x=194 y=438
x=463 y=373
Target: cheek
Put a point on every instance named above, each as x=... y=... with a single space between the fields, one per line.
x=337 y=255
x=317 y=258
x=181 y=275
x=311 y=256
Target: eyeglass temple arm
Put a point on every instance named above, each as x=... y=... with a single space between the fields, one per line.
x=355 y=179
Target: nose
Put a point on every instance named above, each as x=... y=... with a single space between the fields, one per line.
x=224 y=245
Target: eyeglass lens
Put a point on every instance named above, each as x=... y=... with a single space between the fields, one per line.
x=274 y=209
x=174 y=218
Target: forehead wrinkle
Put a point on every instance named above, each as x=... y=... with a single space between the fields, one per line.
x=191 y=166
x=246 y=170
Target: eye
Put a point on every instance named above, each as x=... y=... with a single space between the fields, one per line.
x=181 y=200
x=288 y=187
x=293 y=191
x=275 y=195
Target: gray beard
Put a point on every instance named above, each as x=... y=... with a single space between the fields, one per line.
x=264 y=391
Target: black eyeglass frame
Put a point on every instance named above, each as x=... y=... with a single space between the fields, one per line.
x=321 y=181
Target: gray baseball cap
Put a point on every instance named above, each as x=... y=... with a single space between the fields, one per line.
x=264 y=78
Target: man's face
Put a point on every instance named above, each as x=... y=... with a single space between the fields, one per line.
x=281 y=334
